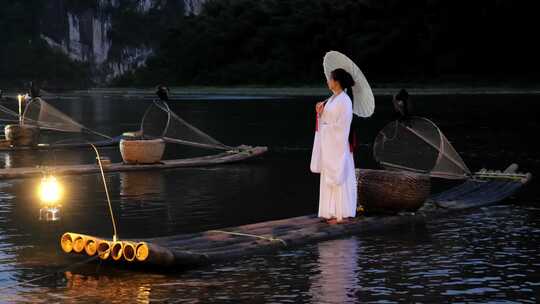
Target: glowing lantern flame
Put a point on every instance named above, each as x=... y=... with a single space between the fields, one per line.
x=19 y=98
x=50 y=190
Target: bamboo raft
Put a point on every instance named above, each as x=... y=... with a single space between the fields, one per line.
x=195 y=249
x=243 y=153
x=7 y=146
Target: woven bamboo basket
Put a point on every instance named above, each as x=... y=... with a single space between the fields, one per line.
x=142 y=151
x=391 y=192
x=22 y=135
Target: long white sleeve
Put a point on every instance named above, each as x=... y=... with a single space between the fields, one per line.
x=315 y=164
x=335 y=143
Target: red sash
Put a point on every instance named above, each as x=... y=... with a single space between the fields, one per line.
x=353 y=144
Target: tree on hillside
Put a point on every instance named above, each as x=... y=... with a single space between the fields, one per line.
x=278 y=42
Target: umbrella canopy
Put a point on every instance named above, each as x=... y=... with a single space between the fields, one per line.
x=364 y=101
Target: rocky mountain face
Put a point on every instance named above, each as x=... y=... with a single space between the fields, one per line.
x=112 y=36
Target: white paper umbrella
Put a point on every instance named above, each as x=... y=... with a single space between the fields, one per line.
x=364 y=101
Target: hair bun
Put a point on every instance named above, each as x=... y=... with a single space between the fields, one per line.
x=343 y=77
x=349 y=80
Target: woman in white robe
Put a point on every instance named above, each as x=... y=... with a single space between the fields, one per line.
x=332 y=156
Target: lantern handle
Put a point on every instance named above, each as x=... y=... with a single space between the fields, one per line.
x=115 y=234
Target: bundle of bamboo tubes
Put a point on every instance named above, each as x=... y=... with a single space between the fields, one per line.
x=127 y=251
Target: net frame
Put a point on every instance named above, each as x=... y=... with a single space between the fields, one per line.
x=79 y=128
x=441 y=149
x=214 y=144
x=9 y=112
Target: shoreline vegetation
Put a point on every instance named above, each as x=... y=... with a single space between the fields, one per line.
x=314 y=91
x=276 y=47
x=282 y=43
x=272 y=92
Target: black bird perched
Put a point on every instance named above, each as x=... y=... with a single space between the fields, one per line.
x=162 y=92
x=35 y=90
x=402 y=105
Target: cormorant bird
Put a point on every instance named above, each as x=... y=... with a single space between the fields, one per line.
x=35 y=90
x=162 y=92
x=402 y=105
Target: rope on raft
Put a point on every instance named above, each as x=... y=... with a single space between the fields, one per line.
x=271 y=239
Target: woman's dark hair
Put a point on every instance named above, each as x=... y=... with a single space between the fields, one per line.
x=345 y=80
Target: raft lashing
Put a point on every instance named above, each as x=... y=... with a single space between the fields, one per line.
x=196 y=249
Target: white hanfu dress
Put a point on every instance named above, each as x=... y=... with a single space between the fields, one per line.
x=333 y=159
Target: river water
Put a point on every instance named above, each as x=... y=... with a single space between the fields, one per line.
x=480 y=255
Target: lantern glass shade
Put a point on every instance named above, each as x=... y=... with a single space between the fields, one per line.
x=50 y=190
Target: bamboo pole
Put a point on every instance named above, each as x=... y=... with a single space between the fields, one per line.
x=104 y=249
x=263 y=228
x=128 y=251
x=116 y=250
x=153 y=254
x=91 y=246
x=66 y=242
x=79 y=242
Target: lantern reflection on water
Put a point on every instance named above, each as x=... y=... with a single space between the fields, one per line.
x=50 y=192
x=49 y=214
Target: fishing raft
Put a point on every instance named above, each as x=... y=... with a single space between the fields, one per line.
x=140 y=150
x=25 y=129
x=213 y=246
x=240 y=154
x=7 y=146
x=413 y=153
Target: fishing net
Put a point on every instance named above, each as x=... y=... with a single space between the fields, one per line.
x=160 y=122
x=418 y=145
x=43 y=115
x=8 y=115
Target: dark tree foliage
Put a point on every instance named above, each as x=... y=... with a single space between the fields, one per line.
x=276 y=42
x=133 y=28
